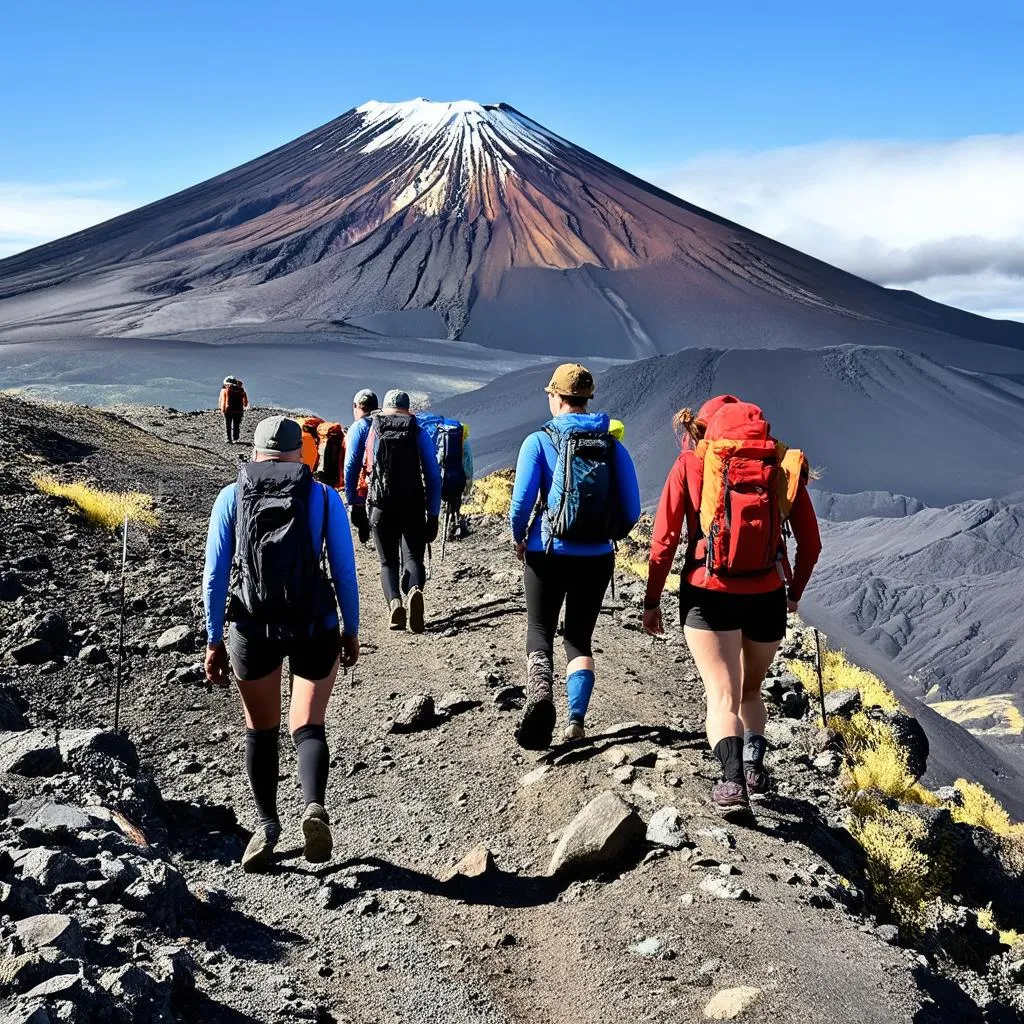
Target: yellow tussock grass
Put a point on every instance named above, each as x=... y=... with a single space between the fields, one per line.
x=492 y=494
x=102 y=508
x=980 y=808
x=897 y=868
x=840 y=674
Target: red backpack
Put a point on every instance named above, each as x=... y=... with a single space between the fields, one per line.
x=743 y=484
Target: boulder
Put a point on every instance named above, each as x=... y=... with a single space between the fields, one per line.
x=602 y=835
x=48 y=626
x=44 y=821
x=417 y=713
x=32 y=652
x=32 y=753
x=477 y=863
x=12 y=710
x=722 y=889
x=56 y=931
x=48 y=868
x=731 y=1003
x=94 y=654
x=177 y=638
x=145 y=997
x=161 y=894
x=454 y=703
x=11 y=587
x=74 y=743
x=843 y=703
x=666 y=829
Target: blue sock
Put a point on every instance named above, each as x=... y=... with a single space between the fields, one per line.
x=579 y=686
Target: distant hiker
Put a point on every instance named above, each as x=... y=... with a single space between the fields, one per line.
x=233 y=403
x=364 y=403
x=403 y=502
x=588 y=497
x=274 y=526
x=455 y=461
x=734 y=488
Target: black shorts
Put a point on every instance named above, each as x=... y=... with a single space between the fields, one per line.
x=253 y=655
x=761 y=617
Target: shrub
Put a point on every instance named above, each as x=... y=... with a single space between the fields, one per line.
x=897 y=868
x=980 y=808
x=492 y=494
x=880 y=764
x=103 y=508
x=840 y=674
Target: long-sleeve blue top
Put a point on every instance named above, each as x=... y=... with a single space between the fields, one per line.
x=535 y=470
x=356 y=451
x=220 y=549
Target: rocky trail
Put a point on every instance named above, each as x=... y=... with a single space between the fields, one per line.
x=121 y=898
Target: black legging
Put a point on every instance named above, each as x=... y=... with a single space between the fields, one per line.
x=401 y=540
x=578 y=581
x=232 y=424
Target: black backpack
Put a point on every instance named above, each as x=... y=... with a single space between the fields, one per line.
x=395 y=480
x=278 y=582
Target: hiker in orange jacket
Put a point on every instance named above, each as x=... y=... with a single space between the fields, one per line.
x=233 y=403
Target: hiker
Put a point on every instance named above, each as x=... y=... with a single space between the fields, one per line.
x=733 y=487
x=274 y=524
x=568 y=547
x=455 y=462
x=403 y=502
x=233 y=403
x=310 y=440
x=364 y=403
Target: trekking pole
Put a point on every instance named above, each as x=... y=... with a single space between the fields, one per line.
x=821 y=679
x=120 y=637
x=430 y=561
x=444 y=529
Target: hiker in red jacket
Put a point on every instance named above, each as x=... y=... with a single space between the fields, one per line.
x=733 y=487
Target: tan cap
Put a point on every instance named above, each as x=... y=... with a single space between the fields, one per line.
x=572 y=380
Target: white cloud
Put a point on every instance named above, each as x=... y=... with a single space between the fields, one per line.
x=33 y=214
x=942 y=218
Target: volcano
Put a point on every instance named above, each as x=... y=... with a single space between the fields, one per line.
x=463 y=221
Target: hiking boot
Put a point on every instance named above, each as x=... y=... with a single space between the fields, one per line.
x=316 y=830
x=396 y=614
x=759 y=782
x=574 y=731
x=259 y=853
x=415 y=610
x=538 y=722
x=729 y=796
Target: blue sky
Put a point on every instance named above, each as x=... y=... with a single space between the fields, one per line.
x=108 y=104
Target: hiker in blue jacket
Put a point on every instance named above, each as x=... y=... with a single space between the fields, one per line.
x=568 y=547
x=363 y=405
x=274 y=523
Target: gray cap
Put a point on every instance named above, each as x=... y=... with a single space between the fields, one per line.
x=396 y=400
x=365 y=399
x=277 y=435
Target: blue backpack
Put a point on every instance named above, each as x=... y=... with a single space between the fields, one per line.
x=584 y=504
x=447 y=437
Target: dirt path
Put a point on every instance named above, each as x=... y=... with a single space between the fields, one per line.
x=375 y=936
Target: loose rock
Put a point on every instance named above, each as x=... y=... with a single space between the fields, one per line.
x=599 y=837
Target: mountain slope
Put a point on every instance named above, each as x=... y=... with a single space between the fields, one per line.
x=870 y=419
x=469 y=221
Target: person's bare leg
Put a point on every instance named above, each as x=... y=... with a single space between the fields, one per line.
x=717 y=657
x=756 y=659
x=306 y=717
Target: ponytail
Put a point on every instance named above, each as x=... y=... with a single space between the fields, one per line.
x=688 y=428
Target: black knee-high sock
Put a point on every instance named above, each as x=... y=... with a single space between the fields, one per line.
x=314 y=762
x=261 y=764
x=729 y=751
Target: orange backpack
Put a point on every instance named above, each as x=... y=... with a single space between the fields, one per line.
x=743 y=484
x=310 y=440
x=331 y=446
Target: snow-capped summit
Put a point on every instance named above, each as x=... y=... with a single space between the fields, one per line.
x=465 y=220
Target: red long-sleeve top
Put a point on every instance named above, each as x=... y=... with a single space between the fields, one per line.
x=676 y=508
